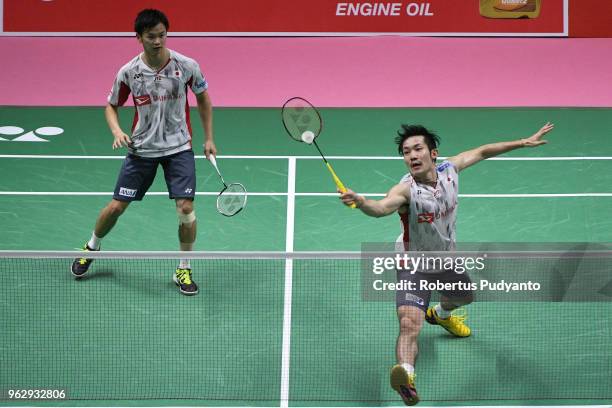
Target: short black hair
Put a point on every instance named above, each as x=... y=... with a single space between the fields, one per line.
x=149 y=18
x=431 y=139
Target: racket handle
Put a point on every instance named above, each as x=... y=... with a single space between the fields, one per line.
x=338 y=182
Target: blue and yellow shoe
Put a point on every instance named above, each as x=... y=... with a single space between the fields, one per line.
x=455 y=324
x=182 y=278
x=81 y=265
x=403 y=384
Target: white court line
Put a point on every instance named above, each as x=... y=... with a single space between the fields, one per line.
x=421 y=404
x=294 y=194
x=566 y=17
x=286 y=348
x=552 y=158
x=536 y=195
x=110 y=193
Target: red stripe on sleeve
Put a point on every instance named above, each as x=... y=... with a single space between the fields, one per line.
x=187 y=118
x=135 y=122
x=124 y=92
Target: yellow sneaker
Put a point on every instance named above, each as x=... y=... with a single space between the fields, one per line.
x=81 y=265
x=454 y=324
x=182 y=278
x=403 y=383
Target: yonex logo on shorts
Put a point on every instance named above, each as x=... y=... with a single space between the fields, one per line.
x=127 y=192
x=413 y=298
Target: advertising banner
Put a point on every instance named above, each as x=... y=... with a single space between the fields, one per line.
x=293 y=18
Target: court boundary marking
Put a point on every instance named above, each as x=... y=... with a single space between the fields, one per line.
x=283 y=157
x=294 y=194
x=291 y=194
x=288 y=290
x=293 y=159
x=335 y=406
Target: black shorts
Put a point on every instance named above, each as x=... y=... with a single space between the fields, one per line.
x=459 y=287
x=137 y=174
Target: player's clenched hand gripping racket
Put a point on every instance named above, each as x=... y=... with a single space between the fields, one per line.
x=303 y=123
x=233 y=198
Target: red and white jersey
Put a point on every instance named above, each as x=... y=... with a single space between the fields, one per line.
x=429 y=224
x=161 y=124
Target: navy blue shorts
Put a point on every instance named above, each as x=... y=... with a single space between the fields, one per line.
x=137 y=174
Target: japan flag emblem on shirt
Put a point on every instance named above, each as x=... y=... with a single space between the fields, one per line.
x=177 y=74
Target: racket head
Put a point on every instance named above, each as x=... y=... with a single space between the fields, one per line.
x=300 y=116
x=232 y=199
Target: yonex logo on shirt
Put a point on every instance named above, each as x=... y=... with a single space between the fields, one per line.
x=127 y=192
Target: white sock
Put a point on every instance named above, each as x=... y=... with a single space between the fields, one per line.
x=185 y=263
x=94 y=242
x=409 y=368
x=443 y=314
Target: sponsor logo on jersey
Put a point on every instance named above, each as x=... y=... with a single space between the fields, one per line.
x=168 y=97
x=425 y=217
x=142 y=100
x=429 y=217
x=127 y=192
x=443 y=166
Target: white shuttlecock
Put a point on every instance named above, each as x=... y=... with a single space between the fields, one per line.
x=308 y=137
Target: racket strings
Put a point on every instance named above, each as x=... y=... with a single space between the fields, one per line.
x=232 y=199
x=299 y=117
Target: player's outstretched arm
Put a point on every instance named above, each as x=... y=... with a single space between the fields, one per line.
x=396 y=197
x=112 y=119
x=470 y=157
x=205 y=112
